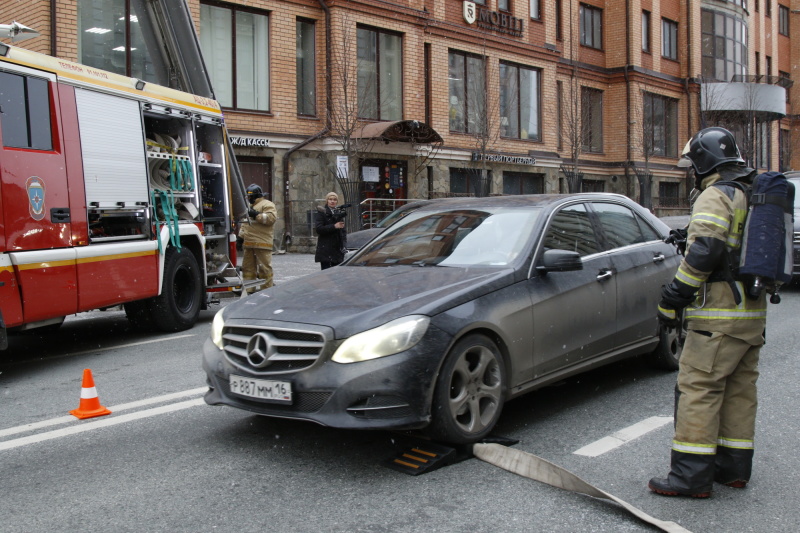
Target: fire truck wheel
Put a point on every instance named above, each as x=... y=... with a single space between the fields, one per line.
x=138 y=314
x=178 y=306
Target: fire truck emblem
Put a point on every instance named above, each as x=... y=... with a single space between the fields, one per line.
x=35 y=187
x=470 y=13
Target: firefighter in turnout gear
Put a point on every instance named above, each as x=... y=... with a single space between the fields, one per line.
x=715 y=396
x=257 y=233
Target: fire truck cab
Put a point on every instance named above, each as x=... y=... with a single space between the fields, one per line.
x=112 y=191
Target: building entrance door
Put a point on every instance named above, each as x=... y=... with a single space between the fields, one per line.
x=383 y=188
x=257 y=170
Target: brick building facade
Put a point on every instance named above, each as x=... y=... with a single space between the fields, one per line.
x=475 y=98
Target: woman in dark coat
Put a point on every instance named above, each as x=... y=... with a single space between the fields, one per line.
x=331 y=234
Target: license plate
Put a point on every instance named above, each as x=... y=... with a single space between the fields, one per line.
x=263 y=389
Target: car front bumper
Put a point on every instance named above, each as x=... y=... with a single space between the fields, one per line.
x=392 y=392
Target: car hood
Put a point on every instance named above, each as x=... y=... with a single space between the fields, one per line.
x=352 y=299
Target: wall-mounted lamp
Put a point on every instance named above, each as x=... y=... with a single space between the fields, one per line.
x=17 y=32
x=140 y=85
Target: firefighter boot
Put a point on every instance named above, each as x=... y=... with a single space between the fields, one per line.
x=733 y=466
x=690 y=475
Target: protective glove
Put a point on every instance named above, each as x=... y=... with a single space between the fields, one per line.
x=252 y=213
x=677 y=237
x=668 y=316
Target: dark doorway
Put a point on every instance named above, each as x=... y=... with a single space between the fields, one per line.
x=257 y=170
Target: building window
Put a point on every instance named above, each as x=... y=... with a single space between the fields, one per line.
x=783 y=20
x=468 y=182
x=591 y=26
x=25 y=104
x=592 y=119
x=785 y=147
x=593 y=185
x=380 y=79
x=762 y=146
x=669 y=39
x=559 y=30
x=536 y=10
x=768 y=8
x=504 y=5
x=467 y=93
x=235 y=46
x=523 y=183
x=785 y=82
x=306 y=69
x=669 y=194
x=519 y=102
x=646 y=31
x=660 y=125
x=110 y=38
x=724 y=45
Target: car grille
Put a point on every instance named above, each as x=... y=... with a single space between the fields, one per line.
x=797 y=237
x=271 y=350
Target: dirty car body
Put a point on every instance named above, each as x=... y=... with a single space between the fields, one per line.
x=449 y=313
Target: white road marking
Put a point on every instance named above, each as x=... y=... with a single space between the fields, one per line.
x=622 y=436
x=99 y=423
x=107 y=348
x=113 y=408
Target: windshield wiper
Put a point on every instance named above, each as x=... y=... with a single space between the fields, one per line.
x=428 y=262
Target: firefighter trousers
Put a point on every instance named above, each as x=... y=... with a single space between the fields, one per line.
x=257 y=264
x=715 y=408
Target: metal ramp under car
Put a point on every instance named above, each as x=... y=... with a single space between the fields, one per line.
x=419 y=456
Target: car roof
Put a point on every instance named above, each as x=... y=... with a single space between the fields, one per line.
x=522 y=200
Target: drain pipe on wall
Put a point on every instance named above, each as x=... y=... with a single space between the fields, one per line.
x=287 y=213
x=629 y=139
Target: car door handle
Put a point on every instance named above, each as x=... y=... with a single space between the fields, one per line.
x=657 y=258
x=604 y=274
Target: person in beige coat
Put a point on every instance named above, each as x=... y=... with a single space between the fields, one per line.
x=257 y=234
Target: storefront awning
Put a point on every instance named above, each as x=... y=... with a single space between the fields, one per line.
x=399 y=131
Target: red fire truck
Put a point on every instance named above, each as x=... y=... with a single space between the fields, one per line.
x=112 y=191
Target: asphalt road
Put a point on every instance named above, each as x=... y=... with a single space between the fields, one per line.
x=165 y=461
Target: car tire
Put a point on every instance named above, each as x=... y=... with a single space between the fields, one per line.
x=139 y=315
x=668 y=352
x=178 y=306
x=470 y=391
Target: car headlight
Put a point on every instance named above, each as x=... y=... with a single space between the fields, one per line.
x=216 y=327
x=391 y=338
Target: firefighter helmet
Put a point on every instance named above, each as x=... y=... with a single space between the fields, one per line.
x=708 y=149
x=254 y=192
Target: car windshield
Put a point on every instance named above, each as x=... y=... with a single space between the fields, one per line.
x=396 y=215
x=455 y=237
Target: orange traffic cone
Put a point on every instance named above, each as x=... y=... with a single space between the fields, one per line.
x=90 y=403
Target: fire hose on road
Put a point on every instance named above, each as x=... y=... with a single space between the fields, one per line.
x=538 y=469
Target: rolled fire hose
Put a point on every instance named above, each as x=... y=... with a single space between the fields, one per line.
x=538 y=469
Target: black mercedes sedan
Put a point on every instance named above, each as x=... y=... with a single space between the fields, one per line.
x=453 y=310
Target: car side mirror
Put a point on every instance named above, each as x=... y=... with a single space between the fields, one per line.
x=560 y=261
